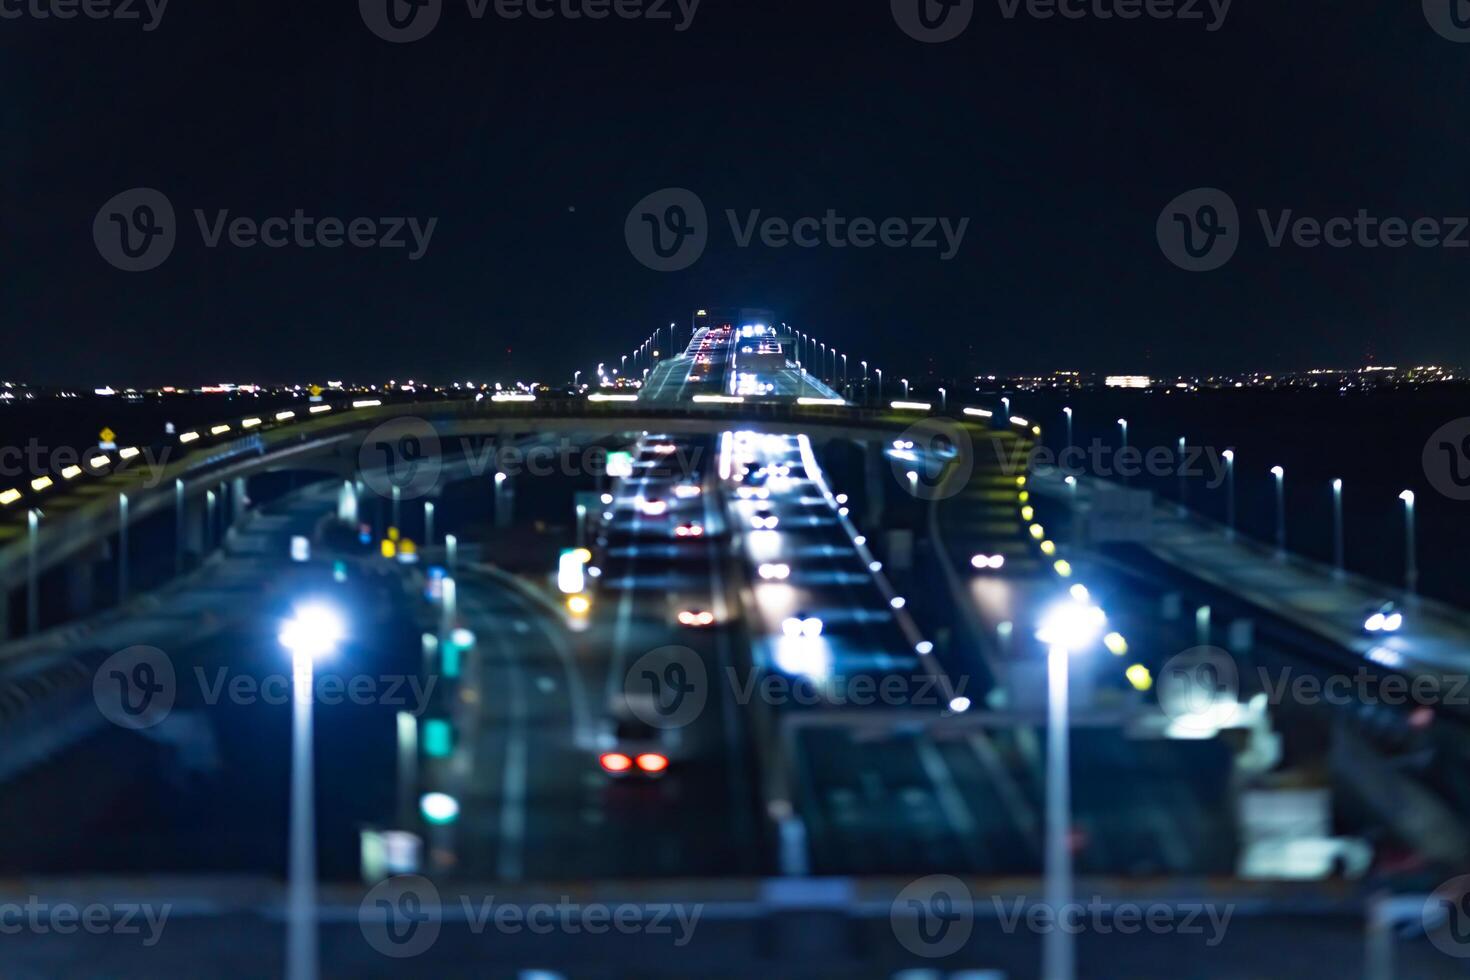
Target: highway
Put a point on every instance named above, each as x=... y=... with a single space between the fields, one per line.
x=742 y=654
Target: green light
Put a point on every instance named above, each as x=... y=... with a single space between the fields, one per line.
x=452 y=660
x=438 y=738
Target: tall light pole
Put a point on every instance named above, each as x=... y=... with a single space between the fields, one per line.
x=575 y=376
x=1339 y=549
x=905 y=386
x=1067 y=413
x=1005 y=403
x=865 y=378
x=1280 y=475
x=1123 y=425
x=844 y=369
x=312 y=634
x=1183 y=480
x=822 y=368
x=1066 y=629
x=943 y=400
x=879 y=373
x=33 y=576
x=1229 y=456
x=1411 y=558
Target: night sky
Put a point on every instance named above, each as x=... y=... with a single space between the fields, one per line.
x=530 y=141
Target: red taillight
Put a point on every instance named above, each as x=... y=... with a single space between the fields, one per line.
x=616 y=762
x=652 y=762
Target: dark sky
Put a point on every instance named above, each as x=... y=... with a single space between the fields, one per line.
x=1061 y=141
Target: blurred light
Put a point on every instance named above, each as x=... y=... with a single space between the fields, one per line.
x=1027 y=513
x=1048 y=548
x=988 y=561
x=616 y=762
x=439 y=808
x=1063 y=567
x=1139 y=676
x=300 y=548
x=219 y=430
x=1037 y=531
x=875 y=566
x=923 y=648
x=313 y=631
x=898 y=602
x=283 y=416
x=774 y=571
x=1071 y=625
x=9 y=497
x=188 y=437
x=579 y=605
x=959 y=705
x=250 y=423
x=462 y=638
x=652 y=762
x=1115 y=643
x=1079 y=592
x=71 y=472
x=319 y=409
x=129 y=452
x=911 y=406
x=979 y=413
x=41 y=483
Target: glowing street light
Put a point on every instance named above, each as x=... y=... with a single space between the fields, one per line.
x=1339 y=551
x=1411 y=562
x=313 y=633
x=1070 y=627
x=1280 y=475
x=1229 y=456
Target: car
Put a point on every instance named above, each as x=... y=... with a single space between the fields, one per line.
x=695 y=618
x=652 y=506
x=1383 y=618
x=634 y=748
x=689 y=529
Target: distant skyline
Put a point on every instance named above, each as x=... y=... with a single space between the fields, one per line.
x=491 y=173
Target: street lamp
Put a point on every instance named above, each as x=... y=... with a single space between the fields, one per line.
x=1068 y=413
x=312 y=633
x=905 y=386
x=1229 y=456
x=1280 y=475
x=1183 y=480
x=943 y=400
x=1068 y=628
x=879 y=373
x=575 y=376
x=1339 y=550
x=1411 y=563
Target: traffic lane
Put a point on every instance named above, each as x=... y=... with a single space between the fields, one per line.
x=695 y=815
